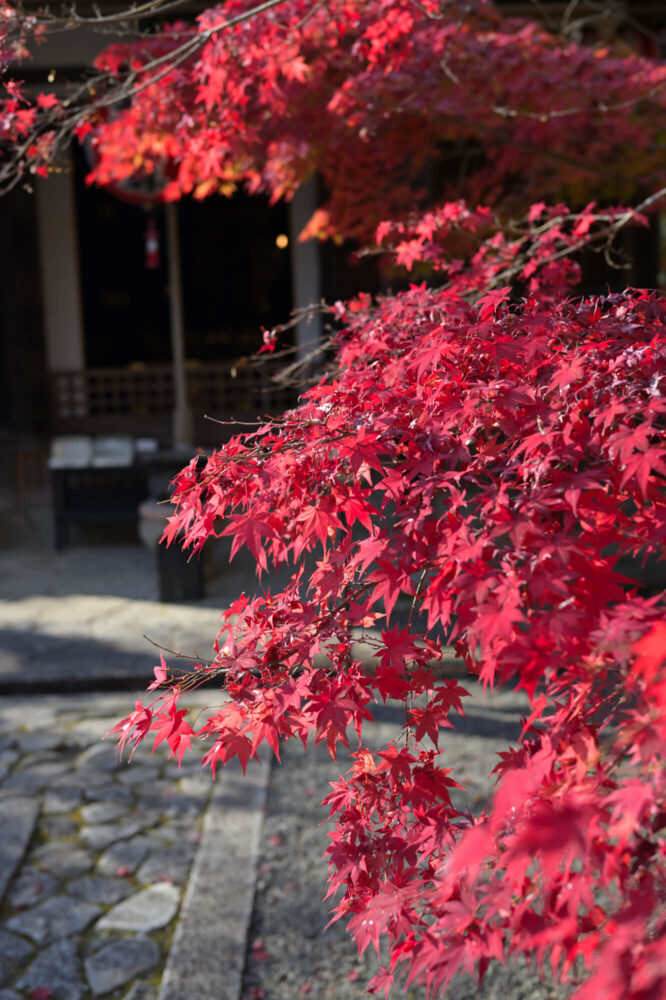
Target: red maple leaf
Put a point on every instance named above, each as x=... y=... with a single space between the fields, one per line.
x=489 y=303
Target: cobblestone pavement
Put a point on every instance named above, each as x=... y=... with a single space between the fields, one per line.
x=94 y=855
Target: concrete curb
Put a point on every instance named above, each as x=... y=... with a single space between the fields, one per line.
x=81 y=685
x=450 y=666
x=207 y=956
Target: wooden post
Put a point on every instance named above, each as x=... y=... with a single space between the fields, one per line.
x=182 y=415
x=59 y=260
x=305 y=267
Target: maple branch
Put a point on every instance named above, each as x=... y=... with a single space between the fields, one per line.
x=73 y=19
x=601 y=106
x=294 y=374
x=235 y=423
x=622 y=12
x=590 y=239
x=181 y=656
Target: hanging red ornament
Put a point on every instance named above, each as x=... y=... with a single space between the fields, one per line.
x=152 y=245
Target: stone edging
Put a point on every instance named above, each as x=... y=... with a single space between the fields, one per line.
x=207 y=956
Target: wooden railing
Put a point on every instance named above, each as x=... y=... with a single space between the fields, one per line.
x=140 y=400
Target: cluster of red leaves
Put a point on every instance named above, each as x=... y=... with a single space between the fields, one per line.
x=14 y=34
x=491 y=466
x=18 y=114
x=378 y=96
x=28 y=124
x=477 y=251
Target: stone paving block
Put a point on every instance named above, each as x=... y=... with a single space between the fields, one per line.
x=58 y=917
x=127 y=855
x=14 y=949
x=63 y=860
x=97 y=889
x=196 y=784
x=168 y=863
x=143 y=754
x=143 y=912
x=61 y=800
x=89 y=732
x=146 y=814
x=177 y=830
x=120 y=961
x=103 y=812
x=58 y=827
x=99 y=756
x=108 y=793
x=157 y=793
x=102 y=835
x=185 y=769
x=184 y=805
x=38 y=757
x=31 y=887
x=139 y=775
x=57 y=968
x=17 y=821
x=36 y=777
x=42 y=740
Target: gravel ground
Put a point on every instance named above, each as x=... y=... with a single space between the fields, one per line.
x=291 y=953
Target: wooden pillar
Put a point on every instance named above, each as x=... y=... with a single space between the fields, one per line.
x=182 y=415
x=305 y=267
x=60 y=275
